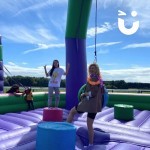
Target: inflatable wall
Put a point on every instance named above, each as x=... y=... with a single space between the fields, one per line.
x=138 y=101
x=11 y=103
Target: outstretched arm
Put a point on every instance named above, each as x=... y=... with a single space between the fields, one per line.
x=17 y=94
x=67 y=69
x=46 y=73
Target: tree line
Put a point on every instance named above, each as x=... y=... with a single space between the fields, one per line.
x=28 y=81
x=43 y=82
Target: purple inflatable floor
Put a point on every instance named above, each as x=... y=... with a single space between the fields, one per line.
x=141 y=120
x=18 y=130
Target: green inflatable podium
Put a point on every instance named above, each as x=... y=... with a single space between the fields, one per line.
x=123 y=112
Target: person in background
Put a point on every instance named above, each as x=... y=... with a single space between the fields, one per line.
x=91 y=100
x=14 y=90
x=55 y=74
x=29 y=98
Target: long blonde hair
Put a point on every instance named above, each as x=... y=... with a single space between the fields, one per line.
x=97 y=69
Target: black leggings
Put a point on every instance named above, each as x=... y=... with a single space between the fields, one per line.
x=30 y=104
x=90 y=115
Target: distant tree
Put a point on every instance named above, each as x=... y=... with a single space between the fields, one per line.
x=63 y=83
x=43 y=82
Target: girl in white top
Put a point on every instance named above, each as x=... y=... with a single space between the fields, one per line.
x=55 y=74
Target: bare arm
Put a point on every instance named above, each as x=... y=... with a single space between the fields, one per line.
x=17 y=94
x=23 y=93
x=46 y=73
x=67 y=69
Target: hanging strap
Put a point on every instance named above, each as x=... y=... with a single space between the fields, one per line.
x=95 y=52
x=10 y=75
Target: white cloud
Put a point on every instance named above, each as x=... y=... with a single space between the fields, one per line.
x=8 y=6
x=11 y=63
x=27 y=29
x=14 y=70
x=104 y=44
x=39 y=5
x=44 y=47
x=22 y=34
x=104 y=28
x=137 y=45
x=110 y=64
x=138 y=74
x=24 y=63
x=24 y=71
x=18 y=7
x=133 y=74
x=103 y=51
x=141 y=7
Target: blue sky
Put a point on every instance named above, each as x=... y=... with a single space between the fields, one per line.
x=33 y=34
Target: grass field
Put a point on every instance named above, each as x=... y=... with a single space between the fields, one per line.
x=45 y=89
x=34 y=89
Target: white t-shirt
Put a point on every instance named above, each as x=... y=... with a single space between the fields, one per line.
x=56 y=77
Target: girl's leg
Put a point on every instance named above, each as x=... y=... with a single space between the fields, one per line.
x=90 y=120
x=28 y=102
x=72 y=112
x=50 y=96
x=32 y=105
x=90 y=129
x=57 y=96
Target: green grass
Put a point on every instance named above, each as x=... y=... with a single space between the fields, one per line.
x=45 y=89
x=34 y=89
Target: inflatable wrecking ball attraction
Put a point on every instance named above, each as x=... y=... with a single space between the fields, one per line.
x=123 y=124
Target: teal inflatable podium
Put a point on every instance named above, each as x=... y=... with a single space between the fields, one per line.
x=55 y=136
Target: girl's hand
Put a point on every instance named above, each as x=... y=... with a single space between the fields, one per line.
x=67 y=69
x=82 y=95
x=68 y=65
